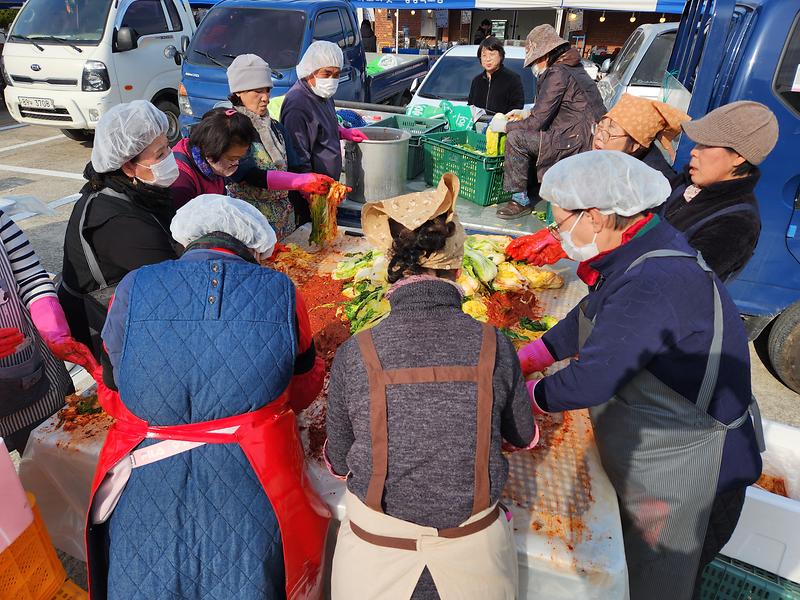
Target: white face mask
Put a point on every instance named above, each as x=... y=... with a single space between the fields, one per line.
x=537 y=70
x=578 y=253
x=165 y=171
x=325 y=88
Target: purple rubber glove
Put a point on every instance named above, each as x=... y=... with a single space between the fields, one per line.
x=534 y=357
x=352 y=135
x=48 y=316
x=307 y=183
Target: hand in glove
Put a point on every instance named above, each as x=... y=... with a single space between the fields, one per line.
x=10 y=339
x=518 y=114
x=352 y=135
x=538 y=249
x=498 y=123
x=48 y=316
x=306 y=183
x=534 y=357
x=71 y=350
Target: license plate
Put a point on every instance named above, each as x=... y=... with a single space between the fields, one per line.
x=36 y=103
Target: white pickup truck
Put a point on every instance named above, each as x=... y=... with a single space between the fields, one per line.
x=66 y=62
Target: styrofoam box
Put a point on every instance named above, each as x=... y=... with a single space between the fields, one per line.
x=768 y=532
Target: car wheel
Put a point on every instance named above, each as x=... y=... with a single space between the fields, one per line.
x=79 y=135
x=784 y=346
x=173 y=113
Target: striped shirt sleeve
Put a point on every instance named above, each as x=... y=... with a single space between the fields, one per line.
x=32 y=280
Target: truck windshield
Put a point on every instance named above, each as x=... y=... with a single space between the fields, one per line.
x=80 y=21
x=276 y=35
x=452 y=77
x=627 y=54
x=653 y=67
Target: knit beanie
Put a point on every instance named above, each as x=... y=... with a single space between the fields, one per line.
x=249 y=72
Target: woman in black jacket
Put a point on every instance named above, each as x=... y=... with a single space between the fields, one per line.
x=712 y=201
x=121 y=221
x=497 y=89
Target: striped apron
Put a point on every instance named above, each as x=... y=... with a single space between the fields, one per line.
x=36 y=381
x=662 y=453
x=379 y=556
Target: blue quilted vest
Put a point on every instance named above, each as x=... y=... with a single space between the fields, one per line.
x=205 y=339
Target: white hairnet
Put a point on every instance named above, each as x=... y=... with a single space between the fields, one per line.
x=213 y=212
x=611 y=181
x=319 y=55
x=124 y=132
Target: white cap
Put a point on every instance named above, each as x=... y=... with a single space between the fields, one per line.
x=213 y=212
x=124 y=132
x=319 y=55
x=610 y=181
x=249 y=72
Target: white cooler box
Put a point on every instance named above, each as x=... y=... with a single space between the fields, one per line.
x=768 y=533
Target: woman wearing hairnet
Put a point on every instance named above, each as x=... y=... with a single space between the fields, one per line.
x=309 y=115
x=263 y=177
x=121 y=221
x=212 y=355
x=662 y=365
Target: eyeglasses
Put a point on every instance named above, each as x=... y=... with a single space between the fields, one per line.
x=604 y=135
x=554 y=228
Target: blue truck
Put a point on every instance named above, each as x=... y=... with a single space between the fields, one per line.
x=728 y=50
x=280 y=31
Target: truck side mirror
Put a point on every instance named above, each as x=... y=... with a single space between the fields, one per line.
x=606 y=66
x=172 y=52
x=184 y=44
x=127 y=39
x=414 y=85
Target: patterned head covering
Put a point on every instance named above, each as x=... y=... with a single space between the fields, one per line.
x=647 y=120
x=411 y=211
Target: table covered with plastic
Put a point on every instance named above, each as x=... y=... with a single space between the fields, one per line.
x=566 y=517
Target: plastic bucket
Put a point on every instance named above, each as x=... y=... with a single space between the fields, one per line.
x=376 y=168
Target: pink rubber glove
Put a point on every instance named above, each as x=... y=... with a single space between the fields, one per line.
x=48 y=316
x=352 y=135
x=534 y=357
x=307 y=183
x=531 y=385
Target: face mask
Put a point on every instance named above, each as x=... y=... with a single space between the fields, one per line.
x=325 y=88
x=537 y=70
x=165 y=171
x=578 y=253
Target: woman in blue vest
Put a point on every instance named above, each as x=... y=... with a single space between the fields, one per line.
x=211 y=355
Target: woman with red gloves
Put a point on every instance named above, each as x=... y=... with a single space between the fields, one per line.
x=263 y=178
x=34 y=335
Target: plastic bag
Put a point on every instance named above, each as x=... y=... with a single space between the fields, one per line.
x=425 y=111
x=459 y=118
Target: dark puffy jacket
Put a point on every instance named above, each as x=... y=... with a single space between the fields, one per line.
x=567 y=105
x=500 y=94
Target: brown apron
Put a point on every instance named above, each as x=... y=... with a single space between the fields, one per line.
x=474 y=560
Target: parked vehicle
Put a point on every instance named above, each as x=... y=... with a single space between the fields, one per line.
x=279 y=32
x=66 y=64
x=728 y=50
x=451 y=76
x=640 y=66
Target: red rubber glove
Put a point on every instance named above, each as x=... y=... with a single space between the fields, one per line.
x=10 y=339
x=352 y=135
x=71 y=350
x=537 y=249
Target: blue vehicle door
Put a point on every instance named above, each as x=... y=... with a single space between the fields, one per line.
x=328 y=26
x=786 y=86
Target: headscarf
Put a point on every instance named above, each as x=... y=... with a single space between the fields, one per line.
x=411 y=211
x=647 y=120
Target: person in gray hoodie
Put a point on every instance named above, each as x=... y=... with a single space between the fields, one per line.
x=418 y=407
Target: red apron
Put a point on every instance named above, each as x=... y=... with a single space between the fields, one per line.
x=270 y=440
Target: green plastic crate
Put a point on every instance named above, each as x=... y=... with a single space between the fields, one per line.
x=730 y=579
x=417 y=127
x=481 y=176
